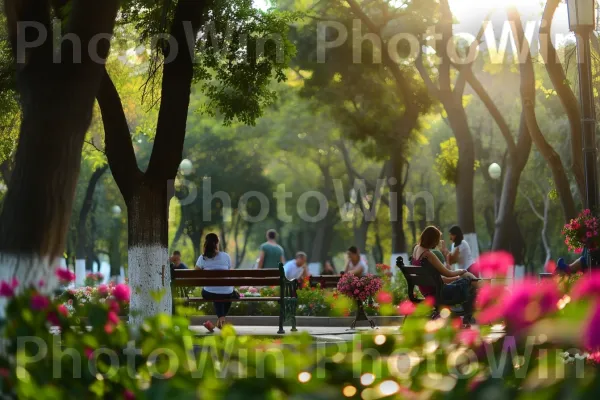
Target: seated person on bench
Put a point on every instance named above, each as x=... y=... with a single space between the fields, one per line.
x=213 y=259
x=453 y=280
x=296 y=268
x=578 y=265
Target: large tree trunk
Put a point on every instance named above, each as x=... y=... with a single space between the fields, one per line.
x=147 y=194
x=38 y=203
x=528 y=94
x=148 y=266
x=512 y=175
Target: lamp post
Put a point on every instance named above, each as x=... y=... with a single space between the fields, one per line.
x=115 y=242
x=495 y=172
x=582 y=21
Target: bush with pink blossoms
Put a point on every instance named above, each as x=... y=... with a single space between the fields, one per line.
x=582 y=231
x=93 y=279
x=359 y=288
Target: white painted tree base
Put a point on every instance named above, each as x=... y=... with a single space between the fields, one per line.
x=30 y=270
x=149 y=273
x=80 y=272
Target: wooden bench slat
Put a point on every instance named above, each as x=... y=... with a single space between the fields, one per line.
x=201 y=282
x=233 y=273
x=244 y=299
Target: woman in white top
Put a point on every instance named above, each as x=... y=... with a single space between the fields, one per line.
x=461 y=252
x=213 y=259
x=355 y=264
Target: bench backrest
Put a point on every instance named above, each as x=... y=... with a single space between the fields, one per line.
x=326 y=281
x=424 y=276
x=232 y=277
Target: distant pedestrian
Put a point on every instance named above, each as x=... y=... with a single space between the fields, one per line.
x=271 y=254
x=176 y=261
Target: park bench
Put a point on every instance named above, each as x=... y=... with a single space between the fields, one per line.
x=183 y=280
x=426 y=275
x=325 y=281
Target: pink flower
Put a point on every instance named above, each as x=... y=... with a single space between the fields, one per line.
x=103 y=290
x=589 y=234
x=467 y=337
x=113 y=317
x=41 y=283
x=6 y=290
x=587 y=286
x=253 y=290
x=53 y=318
x=495 y=263
x=62 y=309
x=384 y=297
x=241 y=294
x=64 y=275
x=113 y=306
x=406 y=308
x=128 y=395
x=122 y=293
x=591 y=336
x=109 y=328
x=39 y=302
x=578 y=250
x=88 y=353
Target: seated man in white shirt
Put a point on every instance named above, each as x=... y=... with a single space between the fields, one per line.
x=296 y=268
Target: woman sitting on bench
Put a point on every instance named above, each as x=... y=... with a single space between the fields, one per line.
x=454 y=281
x=213 y=259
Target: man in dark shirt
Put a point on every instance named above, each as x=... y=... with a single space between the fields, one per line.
x=176 y=261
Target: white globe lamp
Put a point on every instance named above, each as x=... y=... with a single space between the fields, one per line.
x=186 y=166
x=495 y=171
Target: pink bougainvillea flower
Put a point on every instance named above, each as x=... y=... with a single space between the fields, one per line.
x=122 y=293
x=488 y=295
x=587 y=286
x=467 y=337
x=406 y=308
x=113 y=306
x=109 y=328
x=6 y=290
x=39 y=302
x=88 y=353
x=384 y=297
x=591 y=336
x=550 y=267
x=62 y=309
x=128 y=395
x=253 y=290
x=103 y=290
x=496 y=263
x=113 y=317
x=53 y=318
x=64 y=275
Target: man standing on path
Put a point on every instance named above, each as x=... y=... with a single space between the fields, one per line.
x=271 y=254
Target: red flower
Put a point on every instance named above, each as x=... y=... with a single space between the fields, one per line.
x=109 y=328
x=122 y=293
x=492 y=264
x=88 y=353
x=62 y=309
x=53 y=318
x=128 y=395
x=39 y=302
x=6 y=290
x=64 y=275
x=587 y=286
x=113 y=317
x=113 y=306
x=406 y=308
x=468 y=337
x=550 y=267
x=384 y=297
x=103 y=290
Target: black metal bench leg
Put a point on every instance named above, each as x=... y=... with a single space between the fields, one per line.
x=281 y=316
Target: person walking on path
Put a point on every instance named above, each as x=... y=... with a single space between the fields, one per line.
x=271 y=254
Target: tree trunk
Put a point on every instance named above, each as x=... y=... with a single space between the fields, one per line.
x=148 y=261
x=82 y=247
x=528 y=94
x=39 y=201
x=360 y=234
x=396 y=184
x=512 y=175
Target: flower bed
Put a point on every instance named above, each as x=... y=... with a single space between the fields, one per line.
x=77 y=300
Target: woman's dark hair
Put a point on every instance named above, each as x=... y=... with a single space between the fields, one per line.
x=211 y=242
x=430 y=237
x=456 y=231
x=353 y=249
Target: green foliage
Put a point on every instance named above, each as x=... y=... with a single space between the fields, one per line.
x=446 y=162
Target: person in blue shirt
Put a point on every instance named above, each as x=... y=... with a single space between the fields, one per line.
x=176 y=261
x=579 y=265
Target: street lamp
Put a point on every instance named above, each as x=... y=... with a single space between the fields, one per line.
x=186 y=166
x=582 y=21
x=495 y=172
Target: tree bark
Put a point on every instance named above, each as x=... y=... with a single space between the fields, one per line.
x=147 y=195
x=38 y=203
x=552 y=158
x=82 y=234
x=564 y=92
